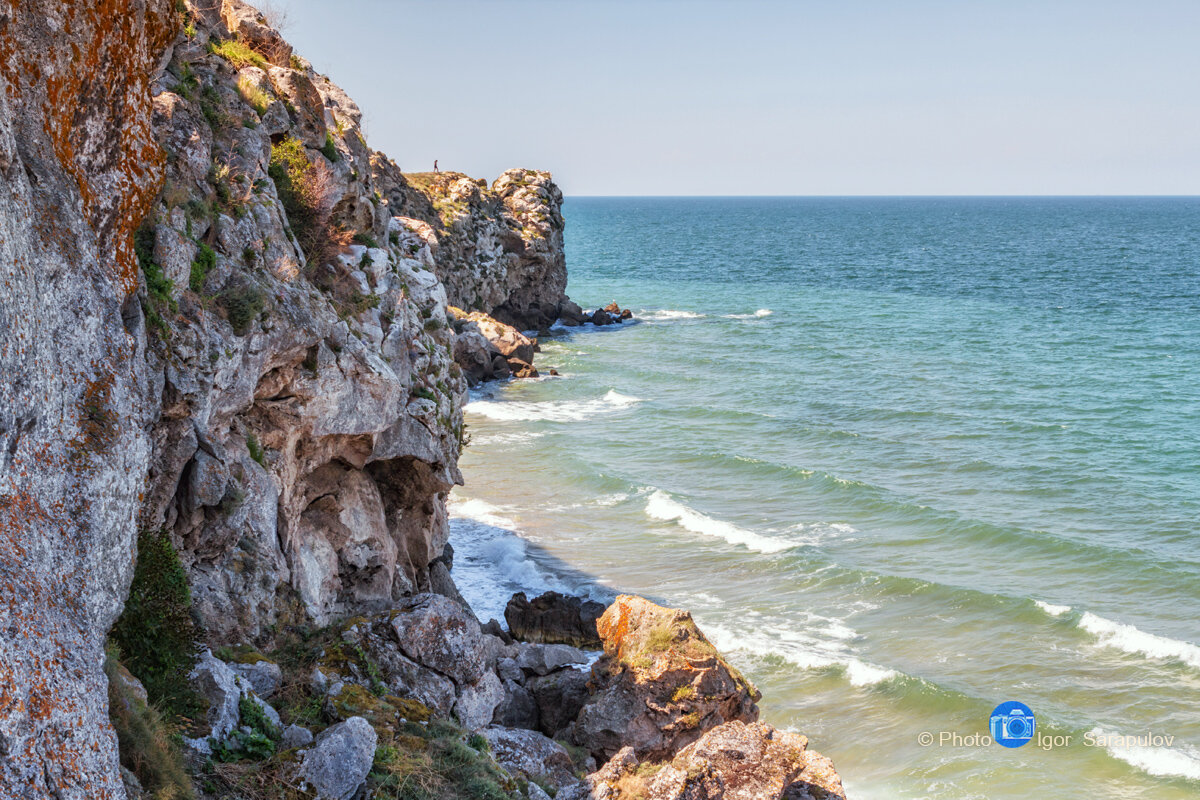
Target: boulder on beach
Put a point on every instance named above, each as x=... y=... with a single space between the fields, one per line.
x=660 y=684
x=507 y=340
x=485 y=348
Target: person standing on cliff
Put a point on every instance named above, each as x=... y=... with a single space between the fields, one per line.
x=435 y=169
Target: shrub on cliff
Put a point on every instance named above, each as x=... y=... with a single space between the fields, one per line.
x=238 y=53
x=242 y=303
x=145 y=741
x=308 y=192
x=156 y=632
x=159 y=287
x=206 y=259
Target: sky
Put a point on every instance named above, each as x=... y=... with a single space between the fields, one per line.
x=776 y=97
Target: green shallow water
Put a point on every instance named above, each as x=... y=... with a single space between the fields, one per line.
x=957 y=463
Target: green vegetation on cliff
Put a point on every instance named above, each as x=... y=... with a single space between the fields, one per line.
x=156 y=633
x=147 y=744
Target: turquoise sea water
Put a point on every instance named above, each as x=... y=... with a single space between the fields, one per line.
x=904 y=459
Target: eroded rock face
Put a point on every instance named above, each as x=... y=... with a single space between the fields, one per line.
x=309 y=411
x=498 y=250
x=78 y=169
x=660 y=684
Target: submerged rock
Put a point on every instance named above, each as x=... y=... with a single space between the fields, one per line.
x=554 y=618
x=570 y=313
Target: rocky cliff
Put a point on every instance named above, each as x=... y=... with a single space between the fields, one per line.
x=80 y=169
x=308 y=415
x=236 y=334
x=309 y=412
x=498 y=250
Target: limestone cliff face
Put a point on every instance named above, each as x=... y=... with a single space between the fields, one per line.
x=79 y=168
x=309 y=412
x=498 y=249
x=223 y=316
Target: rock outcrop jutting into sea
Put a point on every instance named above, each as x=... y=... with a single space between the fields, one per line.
x=235 y=333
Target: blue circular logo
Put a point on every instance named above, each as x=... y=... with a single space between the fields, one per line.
x=1012 y=724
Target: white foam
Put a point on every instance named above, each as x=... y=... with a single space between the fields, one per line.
x=507 y=438
x=666 y=313
x=1131 y=640
x=860 y=673
x=660 y=506
x=553 y=410
x=819 y=643
x=816 y=533
x=480 y=511
x=491 y=561
x=1174 y=762
x=1051 y=609
x=762 y=312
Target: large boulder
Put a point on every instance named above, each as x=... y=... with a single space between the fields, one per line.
x=531 y=755
x=222 y=690
x=554 y=618
x=542 y=659
x=477 y=702
x=339 y=760
x=505 y=339
x=369 y=653
x=474 y=355
x=558 y=697
x=264 y=675
x=438 y=633
x=660 y=684
x=518 y=709
x=736 y=761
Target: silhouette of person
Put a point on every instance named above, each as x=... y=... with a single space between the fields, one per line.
x=435 y=169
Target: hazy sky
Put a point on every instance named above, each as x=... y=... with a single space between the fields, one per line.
x=674 y=97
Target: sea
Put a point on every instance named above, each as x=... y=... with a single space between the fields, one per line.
x=904 y=459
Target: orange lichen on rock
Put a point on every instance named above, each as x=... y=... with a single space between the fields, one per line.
x=76 y=79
